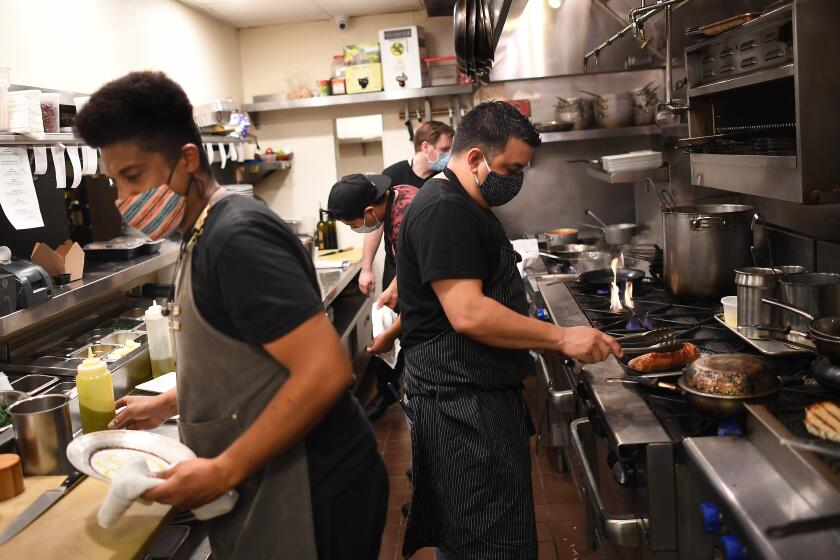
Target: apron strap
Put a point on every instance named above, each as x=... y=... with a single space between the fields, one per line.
x=389 y=252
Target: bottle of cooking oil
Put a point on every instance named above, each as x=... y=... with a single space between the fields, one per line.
x=160 y=340
x=96 y=394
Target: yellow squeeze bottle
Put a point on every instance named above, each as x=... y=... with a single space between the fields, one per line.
x=96 y=394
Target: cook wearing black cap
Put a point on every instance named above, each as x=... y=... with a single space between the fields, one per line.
x=365 y=202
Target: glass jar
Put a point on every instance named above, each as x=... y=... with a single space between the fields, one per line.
x=337 y=71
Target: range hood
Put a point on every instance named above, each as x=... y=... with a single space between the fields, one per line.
x=541 y=38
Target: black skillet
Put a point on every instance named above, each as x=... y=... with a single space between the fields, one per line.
x=599 y=281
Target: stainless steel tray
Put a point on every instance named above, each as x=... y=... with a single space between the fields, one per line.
x=769 y=347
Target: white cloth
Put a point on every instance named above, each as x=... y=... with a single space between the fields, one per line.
x=4 y=383
x=381 y=319
x=134 y=480
x=527 y=249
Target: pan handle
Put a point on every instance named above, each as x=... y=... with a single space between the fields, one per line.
x=788 y=307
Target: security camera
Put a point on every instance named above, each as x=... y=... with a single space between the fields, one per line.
x=342 y=22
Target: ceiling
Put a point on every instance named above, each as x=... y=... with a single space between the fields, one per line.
x=254 y=13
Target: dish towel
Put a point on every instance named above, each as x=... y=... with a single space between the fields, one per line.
x=134 y=480
x=381 y=318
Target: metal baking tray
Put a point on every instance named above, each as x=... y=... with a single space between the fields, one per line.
x=769 y=347
x=119 y=338
x=67 y=388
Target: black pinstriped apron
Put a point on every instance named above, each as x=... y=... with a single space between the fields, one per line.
x=472 y=466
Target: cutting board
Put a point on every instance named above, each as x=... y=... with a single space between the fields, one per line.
x=354 y=255
x=69 y=530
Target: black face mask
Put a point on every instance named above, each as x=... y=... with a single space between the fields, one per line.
x=499 y=189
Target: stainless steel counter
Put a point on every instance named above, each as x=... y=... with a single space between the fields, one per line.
x=100 y=279
x=334 y=280
x=630 y=420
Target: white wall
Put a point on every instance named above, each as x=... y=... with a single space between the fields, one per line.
x=79 y=45
x=272 y=54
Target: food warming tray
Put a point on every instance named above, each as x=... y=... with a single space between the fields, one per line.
x=769 y=347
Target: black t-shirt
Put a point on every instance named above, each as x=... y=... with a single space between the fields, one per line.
x=445 y=235
x=401 y=173
x=254 y=282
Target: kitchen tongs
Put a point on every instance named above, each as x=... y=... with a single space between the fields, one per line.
x=657 y=340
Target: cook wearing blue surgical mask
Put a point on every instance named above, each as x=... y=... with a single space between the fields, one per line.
x=439 y=163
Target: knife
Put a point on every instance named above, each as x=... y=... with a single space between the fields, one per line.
x=336 y=252
x=39 y=506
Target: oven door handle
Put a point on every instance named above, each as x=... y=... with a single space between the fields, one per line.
x=621 y=529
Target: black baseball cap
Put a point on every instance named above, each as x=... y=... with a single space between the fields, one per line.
x=353 y=193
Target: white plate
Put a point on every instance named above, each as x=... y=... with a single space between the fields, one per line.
x=103 y=455
x=160 y=384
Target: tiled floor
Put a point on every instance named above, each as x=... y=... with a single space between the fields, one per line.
x=559 y=512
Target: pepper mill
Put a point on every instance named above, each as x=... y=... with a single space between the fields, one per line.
x=11 y=476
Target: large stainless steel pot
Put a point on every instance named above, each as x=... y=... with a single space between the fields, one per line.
x=703 y=245
x=818 y=293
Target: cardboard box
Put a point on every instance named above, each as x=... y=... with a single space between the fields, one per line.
x=364 y=78
x=67 y=258
x=403 y=50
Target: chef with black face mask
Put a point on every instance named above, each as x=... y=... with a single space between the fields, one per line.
x=466 y=335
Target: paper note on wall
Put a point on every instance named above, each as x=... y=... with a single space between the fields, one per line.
x=209 y=148
x=223 y=154
x=17 y=191
x=60 y=166
x=40 y=153
x=76 y=164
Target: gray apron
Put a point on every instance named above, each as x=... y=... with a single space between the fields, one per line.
x=223 y=386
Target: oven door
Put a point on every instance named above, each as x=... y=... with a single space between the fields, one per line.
x=614 y=521
x=557 y=406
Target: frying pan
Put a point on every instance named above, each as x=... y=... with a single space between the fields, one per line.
x=825 y=331
x=470 y=37
x=719 y=406
x=601 y=279
x=460 y=17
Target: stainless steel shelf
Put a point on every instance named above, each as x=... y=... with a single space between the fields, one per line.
x=276 y=102
x=785 y=71
x=72 y=139
x=99 y=280
x=658 y=175
x=598 y=133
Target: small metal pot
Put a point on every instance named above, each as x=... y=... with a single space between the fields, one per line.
x=818 y=293
x=560 y=236
x=575 y=110
x=754 y=283
x=42 y=433
x=613 y=110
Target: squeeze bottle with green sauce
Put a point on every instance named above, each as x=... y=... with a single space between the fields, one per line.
x=160 y=340
x=96 y=394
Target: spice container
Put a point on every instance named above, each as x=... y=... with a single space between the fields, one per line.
x=323 y=88
x=96 y=395
x=4 y=99
x=338 y=85
x=49 y=111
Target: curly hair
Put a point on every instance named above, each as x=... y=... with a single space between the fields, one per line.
x=144 y=107
x=490 y=125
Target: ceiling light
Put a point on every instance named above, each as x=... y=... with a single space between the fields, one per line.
x=555 y=3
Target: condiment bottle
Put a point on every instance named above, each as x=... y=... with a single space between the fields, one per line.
x=160 y=340
x=96 y=394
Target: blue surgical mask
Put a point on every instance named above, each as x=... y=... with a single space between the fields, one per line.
x=440 y=163
x=364 y=228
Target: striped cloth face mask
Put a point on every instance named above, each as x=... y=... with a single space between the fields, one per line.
x=157 y=212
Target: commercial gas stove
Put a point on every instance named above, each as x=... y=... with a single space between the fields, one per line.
x=662 y=480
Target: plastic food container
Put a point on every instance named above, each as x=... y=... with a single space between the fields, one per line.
x=49 y=112
x=730 y=310
x=442 y=70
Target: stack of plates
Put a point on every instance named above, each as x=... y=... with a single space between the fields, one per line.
x=25 y=112
x=632 y=161
x=244 y=189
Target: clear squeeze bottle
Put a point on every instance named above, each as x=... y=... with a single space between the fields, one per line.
x=160 y=340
